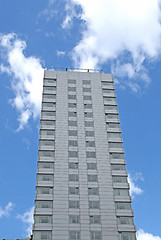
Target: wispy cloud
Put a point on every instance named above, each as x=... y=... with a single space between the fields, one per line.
x=49 y=12
x=141 y=235
x=60 y=53
x=6 y=210
x=134 y=189
x=125 y=34
x=26 y=75
x=27 y=218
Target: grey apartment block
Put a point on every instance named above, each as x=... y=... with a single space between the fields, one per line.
x=81 y=190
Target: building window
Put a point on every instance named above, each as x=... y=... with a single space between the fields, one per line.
x=72 y=123
x=73 y=165
x=117 y=155
x=47 y=132
x=72 y=132
x=45 y=177
x=74 y=235
x=49 y=96
x=104 y=83
x=86 y=81
x=47 y=123
x=127 y=236
x=92 y=178
x=89 y=124
x=92 y=166
x=93 y=191
x=123 y=205
x=121 y=192
x=114 y=135
x=71 y=81
x=73 y=178
x=94 y=204
x=46 y=143
x=49 y=88
x=86 y=89
x=44 y=204
x=88 y=115
x=73 y=154
x=46 y=165
x=48 y=104
x=109 y=99
x=46 y=153
x=74 y=190
x=73 y=204
x=71 y=96
x=125 y=220
x=72 y=114
x=47 y=113
x=91 y=154
x=118 y=167
x=119 y=179
x=110 y=107
x=90 y=144
x=115 y=145
x=49 y=80
x=112 y=125
x=88 y=106
x=111 y=116
x=73 y=143
x=72 y=89
x=89 y=133
x=108 y=91
x=87 y=97
x=42 y=235
x=72 y=105
x=95 y=219
x=96 y=235
x=43 y=219
x=74 y=219
x=44 y=190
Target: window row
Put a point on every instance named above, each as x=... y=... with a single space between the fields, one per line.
x=96 y=219
x=75 y=178
x=75 y=235
x=91 y=191
x=91 y=166
x=86 y=105
x=88 y=154
x=74 y=143
x=93 y=219
x=87 y=123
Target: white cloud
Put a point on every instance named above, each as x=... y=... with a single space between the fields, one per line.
x=134 y=189
x=124 y=33
x=27 y=77
x=7 y=209
x=141 y=235
x=60 y=53
x=27 y=218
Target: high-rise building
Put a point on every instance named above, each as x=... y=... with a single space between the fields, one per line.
x=82 y=190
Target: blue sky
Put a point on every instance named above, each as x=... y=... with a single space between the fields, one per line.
x=119 y=36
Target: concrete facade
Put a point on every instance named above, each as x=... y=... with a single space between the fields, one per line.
x=82 y=190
